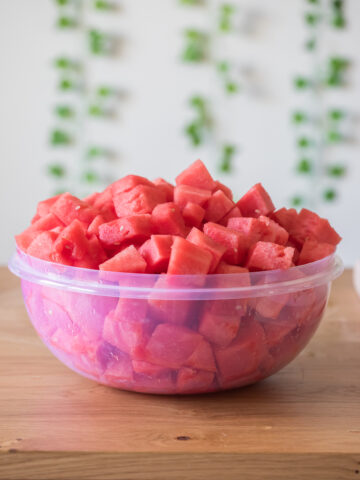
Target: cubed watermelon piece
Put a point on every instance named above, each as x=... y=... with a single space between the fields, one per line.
x=188 y=259
x=224 y=267
x=128 y=183
x=43 y=246
x=149 y=369
x=219 y=329
x=218 y=206
x=234 y=213
x=312 y=251
x=272 y=231
x=276 y=330
x=224 y=188
x=256 y=202
x=96 y=253
x=136 y=228
x=202 y=358
x=286 y=217
x=171 y=345
x=184 y=194
x=269 y=306
x=42 y=224
x=197 y=175
x=156 y=251
x=24 y=239
x=167 y=219
x=104 y=204
x=251 y=228
x=310 y=226
x=197 y=237
x=166 y=187
x=72 y=241
x=171 y=311
x=90 y=199
x=269 y=256
x=193 y=214
x=43 y=208
x=233 y=240
x=190 y=380
x=68 y=208
x=244 y=356
x=140 y=199
x=128 y=261
x=119 y=371
x=93 y=228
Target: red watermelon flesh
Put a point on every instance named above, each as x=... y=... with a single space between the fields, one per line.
x=217 y=250
x=167 y=219
x=136 y=228
x=119 y=371
x=127 y=261
x=140 y=199
x=202 y=357
x=43 y=208
x=104 y=203
x=42 y=246
x=250 y=227
x=72 y=241
x=148 y=369
x=188 y=259
x=171 y=345
x=128 y=183
x=197 y=175
x=219 y=329
x=45 y=223
x=310 y=226
x=68 y=208
x=190 y=380
x=256 y=202
x=218 y=206
x=184 y=194
x=286 y=217
x=270 y=306
x=165 y=187
x=193 y=214
x=96 y=253
x=234 y=213
x=272 y=231
x=90 y=199
x=312 y=251
x=171 y=311
x=95 y=224
x=233 y=240
x=156 y=251
x=269 y=256
x=224 y=188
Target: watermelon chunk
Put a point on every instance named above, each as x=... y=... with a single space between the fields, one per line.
x=218 y=206
x=149 y=369
x=233 y=240
x=171 y=345
x=312 y=251
x=190 y=380
x=72 y=241
x=188 y=259
x=42 y=246
x=244 y=356
x=234 y=213
x=251 y=228
x=95 y=224
x=96 y=253
x=128 y=260
x=165 y=187
x=44 y=223
x=224 y=188
x=104 y=204
x=43 y=208
x=270 y=306
x=140 y=199
x=218 y=329
x=136 y=228
x=68 y=208
x=193 y=214
x=119 y=371
x=269 y=256
x=184 y=194
x=196 y=175
x=202 y=358
x=286 y=217
x=310 y=226
x=206 y=243
x=156 y=251
x=171 y=311
x=256 y=202
x=273 y=232
x=167 y=219
x=128 y=183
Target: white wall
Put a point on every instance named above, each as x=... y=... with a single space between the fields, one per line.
x=148 y=133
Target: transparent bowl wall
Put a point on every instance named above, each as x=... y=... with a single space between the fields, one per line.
x=174 y=334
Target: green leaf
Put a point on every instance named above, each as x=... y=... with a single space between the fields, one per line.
x=338 y=63
x=225 y=165
x=62 y=3
x=338 y=4
x=299 y=117
x=304 y=142
x=90 y=176
x=337 y=171
x=229 y=150
x=56 y=170
x=301 y=82
x=193 y=53
x=103 y=5
x=223 y=66
x=231 y=87
x=66 y=22
x=339 y=22
x=197 y=102
x=59 y=137
x=336 y=114
x=304 y=166
x=334 y=80
x=104 y=91
x=330 y=194
x=96 y=111
x=66 y=84
x=63 y=63
x=297 y=200
x=334 y=136
x=95 y=152
x=190 y=2
x=64 y=111
x=313 y=2
x=194 y=133
x=224 y=25
x=227 y=9
x=312 y=18
x=310 y=44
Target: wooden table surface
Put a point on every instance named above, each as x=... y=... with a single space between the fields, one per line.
x=303 y=423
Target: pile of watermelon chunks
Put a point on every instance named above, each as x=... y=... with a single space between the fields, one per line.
x=195 y=227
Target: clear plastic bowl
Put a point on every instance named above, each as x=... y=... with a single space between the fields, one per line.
x=174 y=334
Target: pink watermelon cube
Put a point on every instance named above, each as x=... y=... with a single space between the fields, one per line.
x=251 y=228
x=234 y=213
x=68 y=208
x=269 y=256
x=43 y=246
x=167 y=219
x=184 y=194
x=149 y=369
x=197 y=237
x=218 y=206
x=218 y=329
x=193 y=214
x=233 y=240
x=171 y=311
x=256 y=202
x=136 y=228
x=93 y=228
x=43 y=208
x=273 y=232
x=72 y=241
x=119 y=371
x=312 y=251
x=197 y=175
x=128 y=183
x=166 y=187
x=188 y=259
x=190 y=380
x=128 y=261
x=140 y=199
x=156 y=251
x=202 y=357
x=224 y=188
x=310 y=226
x=286 y=217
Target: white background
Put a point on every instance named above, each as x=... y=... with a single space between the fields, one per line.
x=148 y=132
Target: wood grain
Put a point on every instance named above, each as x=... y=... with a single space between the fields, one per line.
x=302 y=423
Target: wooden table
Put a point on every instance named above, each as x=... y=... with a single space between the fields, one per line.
x=303 y=423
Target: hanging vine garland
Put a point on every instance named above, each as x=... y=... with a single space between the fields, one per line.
x=327 y=123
